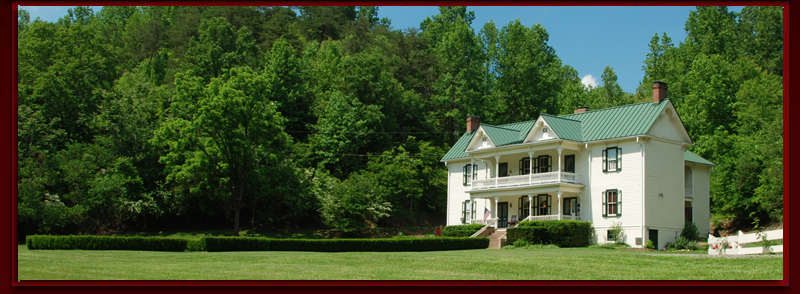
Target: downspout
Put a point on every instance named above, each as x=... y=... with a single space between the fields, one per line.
x=641 y=143
x=447 y=222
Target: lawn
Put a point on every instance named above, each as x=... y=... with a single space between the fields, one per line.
x=516 y=264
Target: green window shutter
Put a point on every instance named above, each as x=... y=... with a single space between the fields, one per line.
x=465 y=175
x=605 y=162
x=474 y=171
x=605 y=205
x=464 y=212
x=549 y=205
x=619 y=203
x=619 y=159
x=549 y=163
x=521 y=162
x=535 y=165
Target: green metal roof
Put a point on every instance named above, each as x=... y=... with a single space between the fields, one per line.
x=565 y=128
x=615 y=122
x=691 y=157
x=458 y=149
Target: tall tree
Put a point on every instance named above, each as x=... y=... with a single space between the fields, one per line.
x=229 y=127
x=529 y=74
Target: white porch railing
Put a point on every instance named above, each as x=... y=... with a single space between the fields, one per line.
x=735 y=245
x=571 y=178
x=572 y=217
x=526 y=180
x=689 y=193
x=542 y=217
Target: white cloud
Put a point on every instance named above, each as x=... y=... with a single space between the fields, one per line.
x=589 y=81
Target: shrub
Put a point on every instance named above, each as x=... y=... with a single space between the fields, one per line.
x=564 y=233
x=196 y=245
x=344 y=245
x=89 y=242
x=215 y=244
x=461 y=230
x=682 y=243
x=649 y=245
x=617 y=232
x=520 y=243
x=690 y=231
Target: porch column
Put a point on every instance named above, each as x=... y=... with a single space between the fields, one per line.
x=496 y=199
x=559 y=164
x=496 y=171
x=558 y=208
x=530 y=167
x=530 y=204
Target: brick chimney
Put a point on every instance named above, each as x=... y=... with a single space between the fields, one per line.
x=473 y=122
x=659 y=91
x=581 y=109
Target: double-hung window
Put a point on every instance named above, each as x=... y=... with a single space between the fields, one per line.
x=612 y=159
x=612 y=203
x=470 y=173
x=543 y=164
x=525 y=166
x=467 y=211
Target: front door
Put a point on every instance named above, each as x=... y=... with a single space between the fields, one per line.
x=687 y=214
x=569 y=163
x=503 y=169
x=570 y=206
x=653 y=234
x=502 y=214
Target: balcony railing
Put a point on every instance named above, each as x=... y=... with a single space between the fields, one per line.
x=526 y=180
x=689 y=193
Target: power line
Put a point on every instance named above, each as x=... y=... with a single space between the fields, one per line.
x=369 y=132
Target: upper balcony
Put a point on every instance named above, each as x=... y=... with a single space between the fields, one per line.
x=527 y=180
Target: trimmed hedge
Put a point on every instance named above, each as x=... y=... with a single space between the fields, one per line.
x=88 y=242
x=344 y=245
x=461 y=230
x=564 y=233
x=215 y=244
x=196 y=245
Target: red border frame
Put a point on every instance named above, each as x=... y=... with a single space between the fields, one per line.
x=9 y=131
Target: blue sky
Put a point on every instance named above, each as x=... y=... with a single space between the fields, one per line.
x=586 y=38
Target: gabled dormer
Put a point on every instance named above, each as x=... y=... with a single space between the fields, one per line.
x=541 y=131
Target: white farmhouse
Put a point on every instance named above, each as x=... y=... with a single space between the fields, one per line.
x=625 y=164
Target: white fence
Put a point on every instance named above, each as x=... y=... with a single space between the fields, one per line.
x=526 y=180
x=735 y=245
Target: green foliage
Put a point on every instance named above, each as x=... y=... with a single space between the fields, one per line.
x=461 y=230
x=649 y=245
x=564 y=233
x=196 y=245
x=690 y=231
x=354 y=205
x=344 y=245
x=611 y=246
x=682 y=243
x=617 y=233
x=86 y=242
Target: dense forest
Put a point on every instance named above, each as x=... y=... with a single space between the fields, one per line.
x=156 y=118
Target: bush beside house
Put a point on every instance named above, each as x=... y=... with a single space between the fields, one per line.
x=564 y=233
x=461 y=230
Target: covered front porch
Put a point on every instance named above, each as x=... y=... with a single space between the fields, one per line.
x=508 y=210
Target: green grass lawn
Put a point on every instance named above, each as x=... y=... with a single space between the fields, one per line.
x=517 y=264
